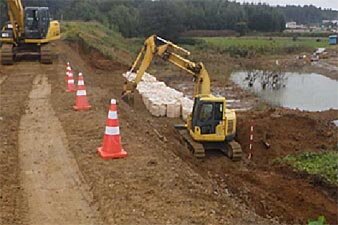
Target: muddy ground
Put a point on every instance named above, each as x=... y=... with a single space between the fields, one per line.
x=160 y=182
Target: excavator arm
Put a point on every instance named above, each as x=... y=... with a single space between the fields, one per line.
x=16 y=15
x=156 y=46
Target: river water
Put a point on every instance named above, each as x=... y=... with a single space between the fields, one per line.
x=304 y=91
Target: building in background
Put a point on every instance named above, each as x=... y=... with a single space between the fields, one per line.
x=333 y=39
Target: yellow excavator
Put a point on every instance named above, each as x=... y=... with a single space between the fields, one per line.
x=210 y=125
x=28 y=32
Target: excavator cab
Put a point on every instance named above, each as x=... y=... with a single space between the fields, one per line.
x=207 y=115
x=210 y=120
x=37 y=22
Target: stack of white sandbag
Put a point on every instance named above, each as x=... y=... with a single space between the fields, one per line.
x=161 y=100
x=146 y=77
x=187 y=106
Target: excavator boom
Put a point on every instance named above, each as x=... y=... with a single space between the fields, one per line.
x=16 y=17
x=166 y=50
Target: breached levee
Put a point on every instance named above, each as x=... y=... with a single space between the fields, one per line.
x=161 y=100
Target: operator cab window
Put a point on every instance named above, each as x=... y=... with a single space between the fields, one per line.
x=206 y=112
x=32 y=18
x=218 y=111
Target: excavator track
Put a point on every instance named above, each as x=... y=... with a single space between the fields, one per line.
x=234 y=151
x=196 y=148
x=46 y=54
x=7 y=56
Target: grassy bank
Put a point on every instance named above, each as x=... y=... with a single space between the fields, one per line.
x=96 y=36
x=248 y=46
x=323 y=164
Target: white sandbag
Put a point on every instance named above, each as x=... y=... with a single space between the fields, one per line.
x=173 y=109
x=156 y=108
x=187 y=107
x=185 y=113
x=146 y=101
x=159 y=99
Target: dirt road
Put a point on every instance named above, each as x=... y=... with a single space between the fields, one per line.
x=14 y=92
x=52 y=182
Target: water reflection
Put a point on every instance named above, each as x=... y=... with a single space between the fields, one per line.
x=305 y=91
x=267 y=79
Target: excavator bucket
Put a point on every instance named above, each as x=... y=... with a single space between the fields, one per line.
x=128 y=98
x=127 y=95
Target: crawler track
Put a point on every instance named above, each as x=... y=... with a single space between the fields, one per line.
x=46 y=54
x=7 y=56
x=234 y=151
x=196 y=148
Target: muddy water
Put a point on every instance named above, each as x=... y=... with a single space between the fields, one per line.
x=304 y=91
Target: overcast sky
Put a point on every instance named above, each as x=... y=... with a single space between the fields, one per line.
x=319 y=3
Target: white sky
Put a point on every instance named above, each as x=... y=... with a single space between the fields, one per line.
x=319 y=3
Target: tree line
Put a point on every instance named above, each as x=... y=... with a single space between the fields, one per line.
x=169 y=18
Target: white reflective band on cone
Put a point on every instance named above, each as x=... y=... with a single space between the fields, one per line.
x=112 y=130
x=81 y=93
x=112 y=115
x=80 y=82
x=70 y=81
x=113 y=102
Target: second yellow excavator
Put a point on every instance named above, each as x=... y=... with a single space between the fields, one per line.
x=28 y=32
x=210 y=125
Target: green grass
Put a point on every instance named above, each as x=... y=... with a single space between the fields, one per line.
x=323 y=164
x=263 y=42
x=244 y=46
x=95 y=35
x=320 y=221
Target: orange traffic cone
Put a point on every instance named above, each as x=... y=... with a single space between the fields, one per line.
x=80 y=82
x=111 y=147
x=70 y=85
x=69 y=72
x=81 y=102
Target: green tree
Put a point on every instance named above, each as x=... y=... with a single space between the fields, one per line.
x=164 y=18
x=126 y=19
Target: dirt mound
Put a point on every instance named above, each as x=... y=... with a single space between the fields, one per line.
x=287 y=132
x=96 y=59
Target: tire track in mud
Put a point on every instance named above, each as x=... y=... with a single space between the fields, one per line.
x=14 y=89
x=52 y=182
